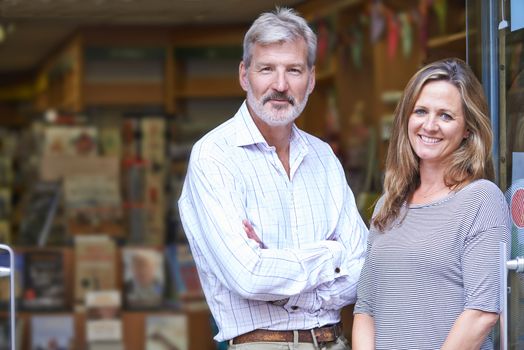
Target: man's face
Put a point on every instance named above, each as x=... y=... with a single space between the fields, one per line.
x=278 y=81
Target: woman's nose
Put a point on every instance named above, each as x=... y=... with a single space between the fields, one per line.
x=430 y=123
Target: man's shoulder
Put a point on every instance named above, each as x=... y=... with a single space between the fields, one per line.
x=216 y=141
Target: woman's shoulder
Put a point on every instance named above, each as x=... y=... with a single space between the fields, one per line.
x=482 y=189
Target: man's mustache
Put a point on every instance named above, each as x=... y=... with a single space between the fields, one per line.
x=279 y=96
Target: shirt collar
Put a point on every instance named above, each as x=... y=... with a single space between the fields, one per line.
x=246 y=130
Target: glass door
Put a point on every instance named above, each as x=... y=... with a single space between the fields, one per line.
x=511 y=159
x=496 y=53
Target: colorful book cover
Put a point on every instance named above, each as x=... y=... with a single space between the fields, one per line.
x=110 y=138
x=183 y=276
x=70 y=140
x=153 y=145
x=5 y=232
x=5 y=203
x=6 y=171
x=52 y=332
x=5 y=289
x=44 y=283
x=5 y=333
x=95 y=264
x=167 y=332
x=144 y=282
x=93 y=204
x=103 y=316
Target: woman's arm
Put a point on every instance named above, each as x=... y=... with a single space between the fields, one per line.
x=363 y=334
x=470 y=330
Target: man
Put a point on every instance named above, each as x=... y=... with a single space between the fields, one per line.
x=285 y=278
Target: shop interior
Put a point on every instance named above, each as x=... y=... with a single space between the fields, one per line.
x=100 y=103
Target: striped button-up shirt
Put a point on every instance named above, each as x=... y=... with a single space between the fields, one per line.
x=314 y=239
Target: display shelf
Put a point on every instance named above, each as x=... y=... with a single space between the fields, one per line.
x=200 y=336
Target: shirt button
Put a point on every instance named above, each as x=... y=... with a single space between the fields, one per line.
x=294 y=307
x=337 y=270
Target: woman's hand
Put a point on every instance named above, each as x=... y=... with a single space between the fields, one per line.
x=251 y=234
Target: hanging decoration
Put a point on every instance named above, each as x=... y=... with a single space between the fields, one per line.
x=393 y=33
x=322 y=42
x=406 y=33
x=441 y=9
x=423 y=8
x=378 y=22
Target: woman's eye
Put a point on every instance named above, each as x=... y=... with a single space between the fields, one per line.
x=446 y=117
x=419 y=111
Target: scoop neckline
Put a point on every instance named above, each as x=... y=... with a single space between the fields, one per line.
x=446 y=198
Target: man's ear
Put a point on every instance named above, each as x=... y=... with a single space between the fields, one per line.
x=312 y=80
x=242 y=75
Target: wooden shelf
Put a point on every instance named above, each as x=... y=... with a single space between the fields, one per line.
x=133 y=322
x=127 y=93
x=446 y=39
x=209 y=87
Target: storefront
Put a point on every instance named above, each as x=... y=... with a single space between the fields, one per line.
x=496 y=53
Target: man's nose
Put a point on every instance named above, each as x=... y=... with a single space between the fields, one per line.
x=280 y=83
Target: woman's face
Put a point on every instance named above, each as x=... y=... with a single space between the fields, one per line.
x=437 y=125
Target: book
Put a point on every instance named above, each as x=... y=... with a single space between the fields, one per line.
x=5 y=232
x=93 y=204
x=5 y=203
x=155 y=204
x=41 y=210
x=103 y=317
x=52 y=332
x=95 y=264
x=110 y=137
x=184 y=283
x=167 y=332
x=56 y=167
x=5 y=333
x=5 y=291
x=70 y=140
x=153 y=143
x=6 y=170
x=144 y=282
x=44 y=281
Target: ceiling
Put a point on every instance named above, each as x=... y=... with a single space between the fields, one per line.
x=34 y=28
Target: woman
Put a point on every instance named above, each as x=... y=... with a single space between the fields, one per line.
x=430 y=280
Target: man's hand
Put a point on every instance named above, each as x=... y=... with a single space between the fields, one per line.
x=251 y=234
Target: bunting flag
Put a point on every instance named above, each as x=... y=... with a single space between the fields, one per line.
x=377 y=21
x=393 y=33
x=441 y=10
x=357 y=42
x=322 y=41
x=406 y=34
x=423 y=23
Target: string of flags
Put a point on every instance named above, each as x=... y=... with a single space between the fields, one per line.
x=381 y=22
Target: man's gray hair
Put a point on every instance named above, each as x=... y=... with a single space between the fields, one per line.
x=282 y=25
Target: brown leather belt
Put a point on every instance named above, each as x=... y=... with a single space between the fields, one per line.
x=323 y=335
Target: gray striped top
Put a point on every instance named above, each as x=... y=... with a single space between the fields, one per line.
x=440 y=259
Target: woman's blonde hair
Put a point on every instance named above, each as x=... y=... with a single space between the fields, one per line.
x=471 y=161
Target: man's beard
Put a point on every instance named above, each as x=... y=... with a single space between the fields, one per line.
x=276 y=116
